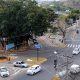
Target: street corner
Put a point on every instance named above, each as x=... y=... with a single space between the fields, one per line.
x=34 y=60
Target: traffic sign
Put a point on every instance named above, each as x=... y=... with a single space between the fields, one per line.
x=38 y=46
x=10 y=46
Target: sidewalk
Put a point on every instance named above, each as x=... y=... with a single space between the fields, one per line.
x=52 y=40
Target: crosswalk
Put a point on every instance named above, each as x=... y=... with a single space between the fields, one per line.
x=72 y=45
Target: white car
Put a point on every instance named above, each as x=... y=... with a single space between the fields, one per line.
x=20 y=64
x=4 y=72
x=75 y=69
x=34 y=69
x=76 y=51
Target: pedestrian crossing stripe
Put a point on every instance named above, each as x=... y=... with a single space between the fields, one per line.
x=68 y=45
x=72 y=45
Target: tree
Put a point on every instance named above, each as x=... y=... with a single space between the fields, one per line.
x=19 y=17
x=74 y=15
x=51 y=14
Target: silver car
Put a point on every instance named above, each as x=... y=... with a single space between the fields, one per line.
x=4 y=72
x=20 y=64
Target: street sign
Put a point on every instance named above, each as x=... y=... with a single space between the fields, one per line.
x=38 y=46
x=10 y=46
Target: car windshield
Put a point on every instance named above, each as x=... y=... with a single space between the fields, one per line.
x=32 y=68
x=3 y=69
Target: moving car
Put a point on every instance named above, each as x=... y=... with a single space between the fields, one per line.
x=75 y=69
x=20 y=64
x=34 y=69
x=4 y=72
x=76 y=51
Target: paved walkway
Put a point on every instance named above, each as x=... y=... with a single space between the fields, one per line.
x=52 y=40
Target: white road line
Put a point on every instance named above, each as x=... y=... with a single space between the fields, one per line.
x=71 y=45
x=76 y=45
x=16 y=73
x=68 y=45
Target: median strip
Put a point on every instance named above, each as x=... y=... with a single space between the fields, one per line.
x=33 y=60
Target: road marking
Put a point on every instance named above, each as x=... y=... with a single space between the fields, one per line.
x=76 y=45
x=16 y=73
x=68 y=45
x=71 y=45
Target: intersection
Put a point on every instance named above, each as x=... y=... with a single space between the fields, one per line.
x=47 y=67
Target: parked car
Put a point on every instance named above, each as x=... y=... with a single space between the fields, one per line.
x=75 y=69
x=76 y=51
x=4 y=72
x=20 y=64
x=34 y=69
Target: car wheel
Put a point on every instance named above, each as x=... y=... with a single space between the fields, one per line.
x=15 y=66
x=33 y=73
x=23 y=66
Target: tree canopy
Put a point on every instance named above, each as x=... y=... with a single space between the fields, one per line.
x=22 y=16
x=73 y=16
